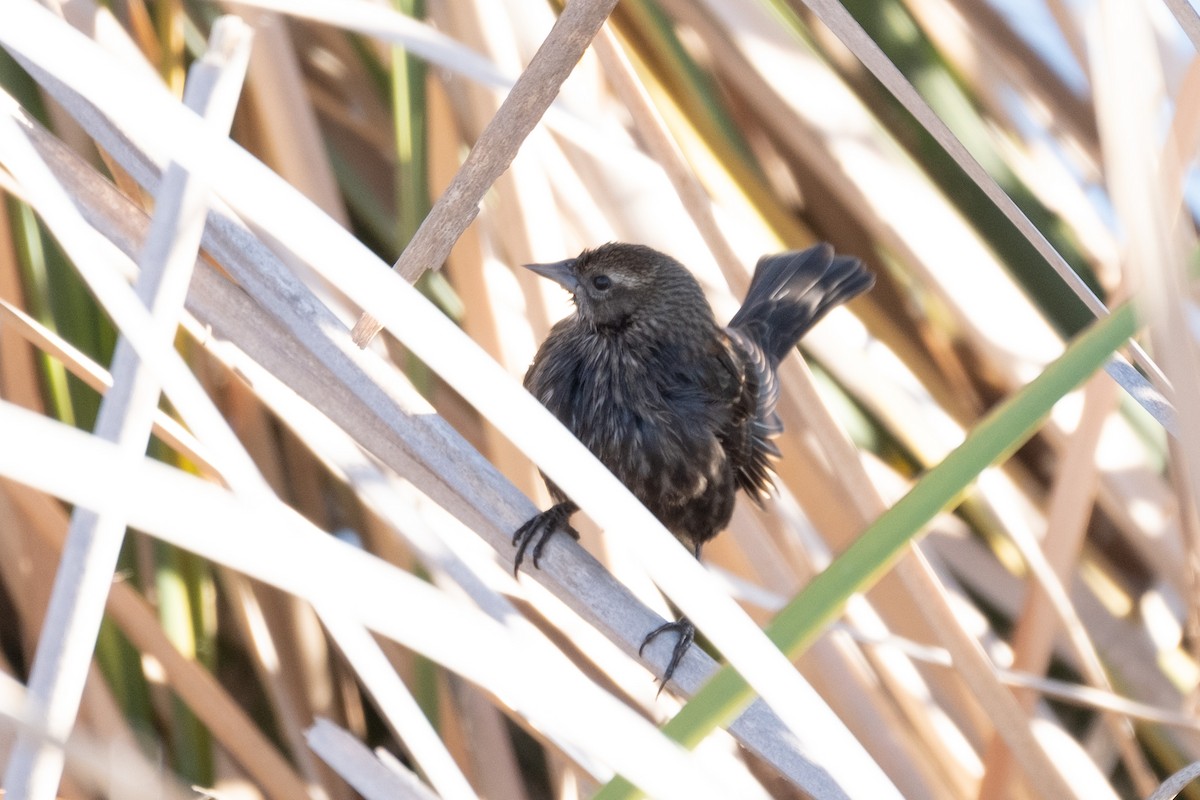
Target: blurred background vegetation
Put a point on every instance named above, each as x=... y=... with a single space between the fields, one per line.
x=793 y=140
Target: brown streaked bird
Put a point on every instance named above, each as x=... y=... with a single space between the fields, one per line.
x=681 y=410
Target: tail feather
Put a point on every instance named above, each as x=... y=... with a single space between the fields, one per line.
x=788 y=294
x=791 y=292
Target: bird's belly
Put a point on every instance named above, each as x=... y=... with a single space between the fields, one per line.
x=678 y=469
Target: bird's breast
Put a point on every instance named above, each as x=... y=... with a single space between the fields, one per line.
x=647 y=416
x=647 y=427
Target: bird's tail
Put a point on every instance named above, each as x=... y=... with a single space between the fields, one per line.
x=791 y=292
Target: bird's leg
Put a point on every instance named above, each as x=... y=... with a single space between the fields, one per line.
x=687 y=634
x=538 y=530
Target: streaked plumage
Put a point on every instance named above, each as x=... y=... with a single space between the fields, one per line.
x=677 y=407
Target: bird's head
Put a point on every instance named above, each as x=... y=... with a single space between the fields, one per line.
x=617 y=284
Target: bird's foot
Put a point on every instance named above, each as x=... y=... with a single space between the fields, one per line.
x=538 y=530
x=687 y=633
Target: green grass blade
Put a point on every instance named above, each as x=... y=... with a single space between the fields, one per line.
x=408 y=109
x=1001 y=432
x=890 y=25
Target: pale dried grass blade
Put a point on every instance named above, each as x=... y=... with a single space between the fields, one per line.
x=1091 y=697
x=197 y=687
x=1185 y=15
x=286 y=129
x=663 y=149
x=1177 y=782
x=126 y=414
x=1069 y=692
x=284 y=687
x=78 y=364
x=385 y=24
x=498 y=144
x=18 y=381
x=1066 y=524
x=330 y=251
x=360 y=768
x=398 y=707
x=459 y=479
x=1129 y=85
x=835 y=16
x=978 y=672
x=247 y=533
x=113 y=768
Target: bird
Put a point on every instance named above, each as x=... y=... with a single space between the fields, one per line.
x=679 y=408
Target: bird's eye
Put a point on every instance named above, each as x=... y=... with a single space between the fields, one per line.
x=602 y=282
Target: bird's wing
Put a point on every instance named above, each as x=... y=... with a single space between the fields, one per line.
x=754 y=423
x=791 y=292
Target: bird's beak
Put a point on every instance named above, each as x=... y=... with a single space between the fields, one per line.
x=561 y=272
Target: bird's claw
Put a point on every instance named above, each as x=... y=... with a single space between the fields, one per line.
x=687 y=633
x=538 y=530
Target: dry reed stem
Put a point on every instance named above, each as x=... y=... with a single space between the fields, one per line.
x=106 y=767
x=1068 y=513
x=687 y=190
x=18 y=374
x=839 y=20
x=126 y=415
x=919 y=581
x=169 y=431
x=397 y=706
x=664 y=150
x=588 y=214
x=405 y=436
x=1177 y=782
x=1185 y=15
x=361 y=768
x=1157 y=252
x=497 y=144
x=662 y=147
x=285 y=125
x=1073 y=115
